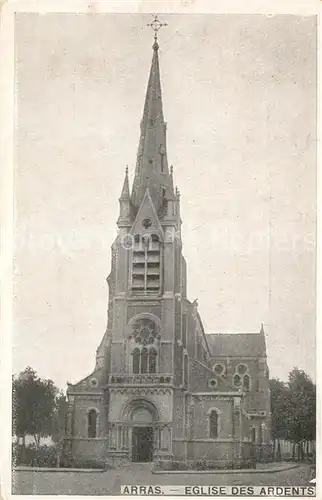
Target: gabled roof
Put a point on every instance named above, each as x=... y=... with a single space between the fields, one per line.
x=236 y=344
x=147 y=210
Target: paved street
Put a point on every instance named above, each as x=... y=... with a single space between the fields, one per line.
x=109 y=482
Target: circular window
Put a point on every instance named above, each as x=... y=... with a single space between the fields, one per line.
x=94 y=382
x=241 y=369
x=213 y=383
x=219 y=368
x=144 y=331
x=127 y=242
x=146 y=223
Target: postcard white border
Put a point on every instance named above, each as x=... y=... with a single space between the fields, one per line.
x=269 y=7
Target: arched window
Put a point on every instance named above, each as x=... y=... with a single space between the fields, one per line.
x=91 y=423
x=237 y=380
x=246 y=382
x=219 y=369
x=253 y=435
x=152 y=360
x=213 y=424
x=242 y=377
x=144 y=360
x=241 y=369
x=136 y=360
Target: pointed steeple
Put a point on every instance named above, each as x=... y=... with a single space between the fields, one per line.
x=125 y=202
x=152 y=171
x=125 y=195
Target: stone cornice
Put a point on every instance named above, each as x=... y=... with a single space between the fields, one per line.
x=236 y=357
x=218 y=393
x=87 y=394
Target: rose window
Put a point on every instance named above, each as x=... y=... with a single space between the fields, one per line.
x=144 y=331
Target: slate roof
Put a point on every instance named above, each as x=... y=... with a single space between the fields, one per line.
x=236 y=344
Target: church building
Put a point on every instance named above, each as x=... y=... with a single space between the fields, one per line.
x=163 y=389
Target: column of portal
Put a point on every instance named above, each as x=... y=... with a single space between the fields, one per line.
x=112 y=436
x=165 y=438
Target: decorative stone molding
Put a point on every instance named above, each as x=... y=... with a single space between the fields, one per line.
x=213 y=397
x=139 y=303
x=116 y=379
x=257 y=413
x=207 y=440
x=144 y=391
x=216 y=395
x=77 y=438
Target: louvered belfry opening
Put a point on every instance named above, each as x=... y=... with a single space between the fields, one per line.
x=146 y=262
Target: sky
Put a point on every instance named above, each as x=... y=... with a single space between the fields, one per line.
x=239 y=96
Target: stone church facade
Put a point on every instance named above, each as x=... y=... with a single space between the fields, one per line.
x=163 y=388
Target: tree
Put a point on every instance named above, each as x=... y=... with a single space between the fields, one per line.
x=280 y=407
x=59 y=424
x=34 y=402
x=59 y=417
x=293 y=411
x=301 y=424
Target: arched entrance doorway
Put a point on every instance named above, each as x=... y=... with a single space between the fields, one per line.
x=142 y=435
x=142 y=414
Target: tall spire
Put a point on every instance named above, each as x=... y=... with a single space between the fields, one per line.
x=152 y=171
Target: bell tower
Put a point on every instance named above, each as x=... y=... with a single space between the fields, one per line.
x=147 y=284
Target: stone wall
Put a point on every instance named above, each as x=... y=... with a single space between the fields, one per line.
x=89 y=450
x=82 y=404
x=202 y=407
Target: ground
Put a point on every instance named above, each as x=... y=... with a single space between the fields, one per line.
x=109 y=482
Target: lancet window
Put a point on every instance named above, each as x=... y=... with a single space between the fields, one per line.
x=144 y=360
x=92 y=417
x=241 y=378
x=213 y=424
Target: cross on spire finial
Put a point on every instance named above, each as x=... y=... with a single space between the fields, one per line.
x=156 y=25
